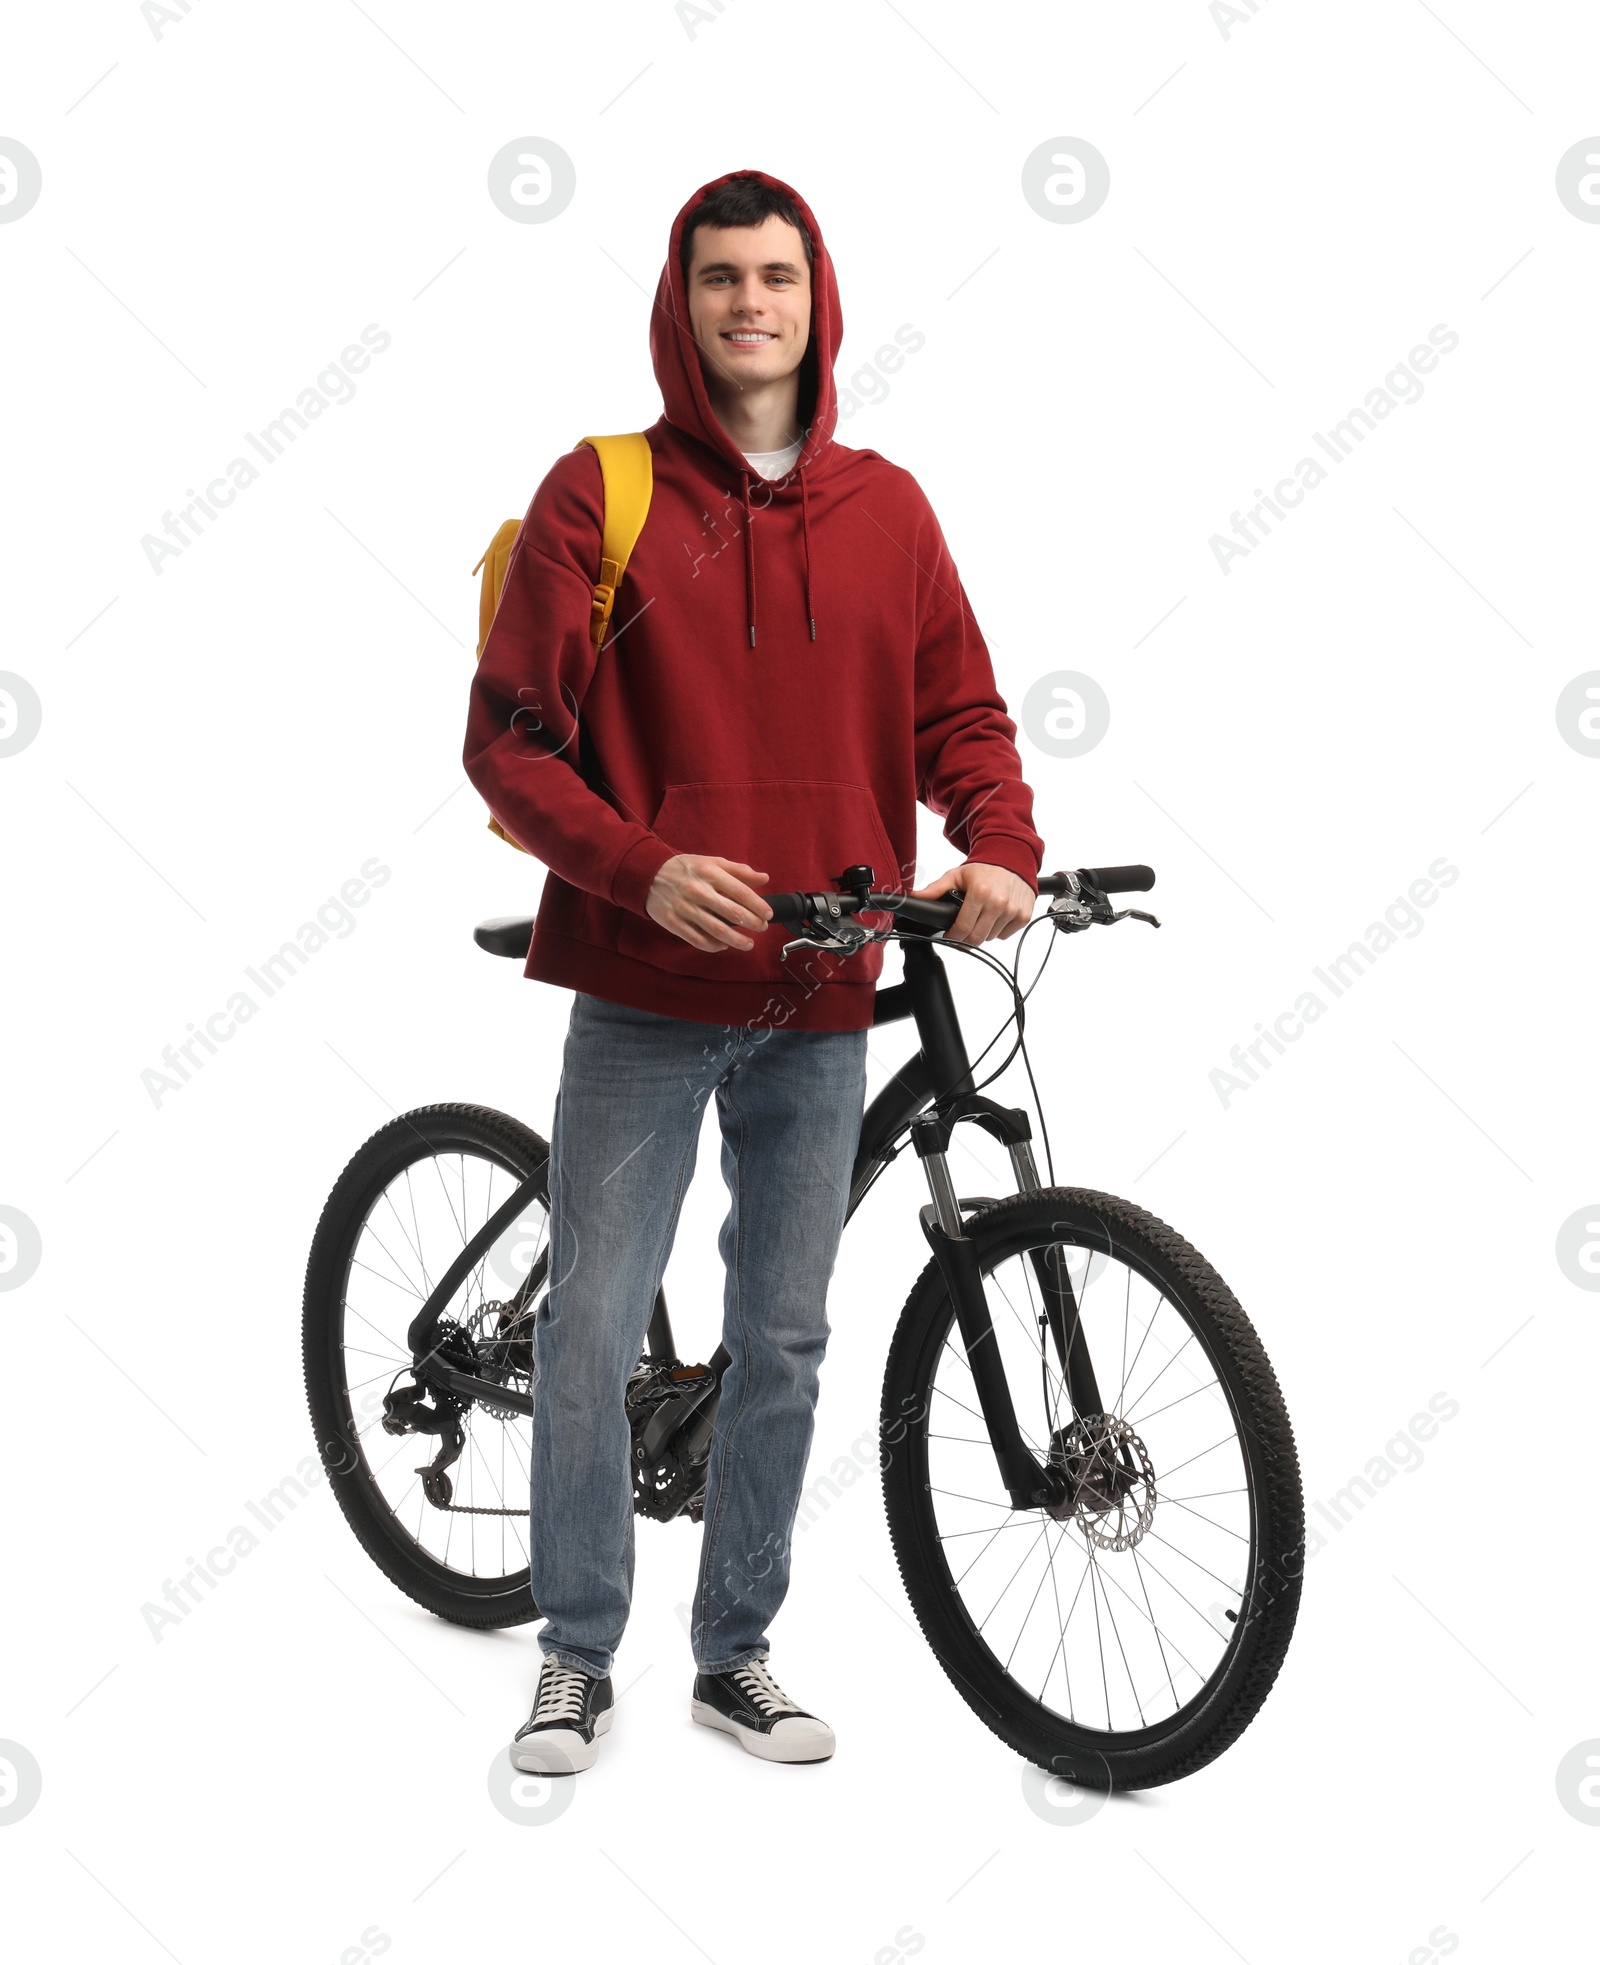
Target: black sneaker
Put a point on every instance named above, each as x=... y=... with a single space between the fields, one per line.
x=570 y=1712
x=748 y=1703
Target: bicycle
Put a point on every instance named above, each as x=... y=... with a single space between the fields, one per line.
x=1109 y=1585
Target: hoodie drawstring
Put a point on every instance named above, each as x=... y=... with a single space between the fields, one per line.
x=749 y=559
x=805 y=535
x=750 y=555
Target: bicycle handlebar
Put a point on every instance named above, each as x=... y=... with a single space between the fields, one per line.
x=796 y=909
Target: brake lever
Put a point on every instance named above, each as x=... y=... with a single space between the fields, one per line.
x=1084 y=906
x=844 y=937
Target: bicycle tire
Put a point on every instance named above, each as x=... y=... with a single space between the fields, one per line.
x=1209 y=1723
x=485 y=1603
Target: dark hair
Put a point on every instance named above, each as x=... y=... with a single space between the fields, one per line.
x=742 y=201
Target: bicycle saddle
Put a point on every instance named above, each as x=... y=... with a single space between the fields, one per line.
x=507 y=934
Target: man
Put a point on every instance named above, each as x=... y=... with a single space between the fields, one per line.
x=796 y=666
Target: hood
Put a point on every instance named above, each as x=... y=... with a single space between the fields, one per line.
x=675 y=354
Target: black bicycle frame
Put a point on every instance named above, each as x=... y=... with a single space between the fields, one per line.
x=927 y=1097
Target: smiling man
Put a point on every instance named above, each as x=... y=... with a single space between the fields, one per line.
x=797 y=666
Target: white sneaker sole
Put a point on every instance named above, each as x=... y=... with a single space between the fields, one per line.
x=558 y=1752
x=797 y=1747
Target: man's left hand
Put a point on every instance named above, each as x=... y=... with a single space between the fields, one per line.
x=995 y=902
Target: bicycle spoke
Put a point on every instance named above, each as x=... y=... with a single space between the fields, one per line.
x=1156 y=1571
x=1148 y=1611
x=377 y=1378
x=401 y=1357
x=1151 y=1614
x=1207 y=1520
x=1202 y=1453
x=956 y=1534
x=975 y=1497
x=1099 y=1639
x=959 y=1356
x=435 y=1161
x=411 y=1196
x=372 y=1234
x=982 y=1421
x=1061 y=1645
x=1121 y=1649
x=998 y=1529
x=1030 y=1331
x=1188 y=1558
x=476 y=1452
x=409 y=1288
x=1123 y=1387
x=355 y=1351
x=1013 y=1577
x=1047 y=1572
x=1055 y=1592
x=477 y=1286
x=1041 y=1324
x=411 y=1239
x=1215 y=1385
x=1171 y=1361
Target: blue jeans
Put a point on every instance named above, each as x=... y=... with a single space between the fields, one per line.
x=633 y=1092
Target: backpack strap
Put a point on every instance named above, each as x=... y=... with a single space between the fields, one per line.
x=625 y=468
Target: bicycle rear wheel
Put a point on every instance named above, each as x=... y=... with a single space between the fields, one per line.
x=402 y=1210
x=1131 y=1639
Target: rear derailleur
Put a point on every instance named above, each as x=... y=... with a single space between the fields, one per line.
x=406 y=1410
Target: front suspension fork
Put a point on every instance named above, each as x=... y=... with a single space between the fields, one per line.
x=1028 y=1483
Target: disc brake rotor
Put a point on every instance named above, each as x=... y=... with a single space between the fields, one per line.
x=1111 y=1481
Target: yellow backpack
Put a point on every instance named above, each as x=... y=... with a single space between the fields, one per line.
x=625 y=472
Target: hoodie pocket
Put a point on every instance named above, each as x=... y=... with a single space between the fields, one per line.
x=798 y=832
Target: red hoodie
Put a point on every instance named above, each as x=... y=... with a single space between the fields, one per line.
x=800 y=750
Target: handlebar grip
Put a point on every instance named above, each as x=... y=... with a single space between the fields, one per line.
x=1122 y=880
x=928 y=914
x=788 y=908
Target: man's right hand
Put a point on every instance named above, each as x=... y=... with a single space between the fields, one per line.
x=707 y=902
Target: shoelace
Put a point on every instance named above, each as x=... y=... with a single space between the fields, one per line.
x=560 y=1694
x=763 y=1689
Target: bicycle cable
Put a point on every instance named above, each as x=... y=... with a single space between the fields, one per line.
x=1012 y=979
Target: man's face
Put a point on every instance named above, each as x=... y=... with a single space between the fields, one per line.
x=750 y=300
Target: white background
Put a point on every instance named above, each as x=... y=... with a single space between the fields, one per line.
x=305 y=1758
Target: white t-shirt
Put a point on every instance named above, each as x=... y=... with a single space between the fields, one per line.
x=775 y=463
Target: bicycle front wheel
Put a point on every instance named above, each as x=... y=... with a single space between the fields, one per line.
x=1129 y=1637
